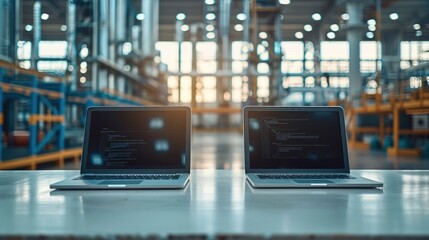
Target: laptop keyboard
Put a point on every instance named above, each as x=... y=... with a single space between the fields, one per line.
x=130 y=176
x=304 y=176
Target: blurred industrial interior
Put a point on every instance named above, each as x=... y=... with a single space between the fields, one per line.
x=59 y=57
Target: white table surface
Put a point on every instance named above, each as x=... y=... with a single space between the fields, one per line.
x=215 y=202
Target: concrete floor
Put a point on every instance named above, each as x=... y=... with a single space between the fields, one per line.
x=224 y=150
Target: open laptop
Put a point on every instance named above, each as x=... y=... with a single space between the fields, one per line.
x=134 y=148
x=298 y=147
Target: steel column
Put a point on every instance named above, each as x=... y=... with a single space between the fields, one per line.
x=354 y=35
x=71 y=40
x=95 y=45
x=121 y=14
x=34 y=110
x=150 y=26
x=37 y=33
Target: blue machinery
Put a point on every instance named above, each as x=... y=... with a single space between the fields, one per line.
x=47 y=97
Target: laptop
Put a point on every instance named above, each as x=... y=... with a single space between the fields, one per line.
x=134 y=148
x=298 y=147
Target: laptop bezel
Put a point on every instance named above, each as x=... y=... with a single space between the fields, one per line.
x=90 y=110
x=337 y=109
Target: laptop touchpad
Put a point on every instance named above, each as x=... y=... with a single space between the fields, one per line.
x=312 y=181
x=127 y=182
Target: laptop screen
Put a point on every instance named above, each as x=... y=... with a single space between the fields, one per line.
x=137 y=138
x=294 y=139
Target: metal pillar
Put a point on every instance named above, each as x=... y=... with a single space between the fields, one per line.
x=37 y=33
x=95 y=36
x=224 y=50
x=3 y=23
x=179 y=39
x=71 y=39
x=15 y=30
x=354 y=35
x=150 y=26
x=276 y=86
x=112 y=41
x=390 y=55
x=34 y=110
x=121 y=14
x=1 y=114
x=103 y=42
x=194 y=32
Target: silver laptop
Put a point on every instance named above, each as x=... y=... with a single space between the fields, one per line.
x=134 y=148
x=298 y=147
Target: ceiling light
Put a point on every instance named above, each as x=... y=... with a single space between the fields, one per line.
x=180 y=16
x=284 y=2
x=238 y=27
x=83 y=64
x=345 y=16
x=210 y=16
x=299 y=35
x=416 y=26
x=371 y=22
x=371 y=28
x=394 y=16
x=330 y=35
x=335 y=27
x=263 y=35
x=210 y=28
x=210 y=35
x=241 y=16
x=140 y=16
x=184 y=28
x=82 y=79
x=419 y=33
x=308 y=27
x=370 y=35
x=44 y=16
x=63 y=28
x=316 y=17
x=28 y=28
x=210 y=2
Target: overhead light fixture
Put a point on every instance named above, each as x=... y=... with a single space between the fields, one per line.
x=241 y=16
x=238 y=27
x=209 y=2
x=83 y=64
x=394 y=16
x=370 y=35
x=284 y=2
x=263 y=35
x=180 y=16
x=82 y=79
x=371 y=28
x=210 y=35
x=419 y=33
x=140 y=16
x=184 y=28
x=335 y=27
x=308 y=27
x=210 y=16
x=345 y=16
x=63 y=28
x=299 y=35
x=28 y=28
x=330 y=35
x=44 y=16
x=416 y=26
x=316 y=17
x=210 y=28
x=371 y=22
